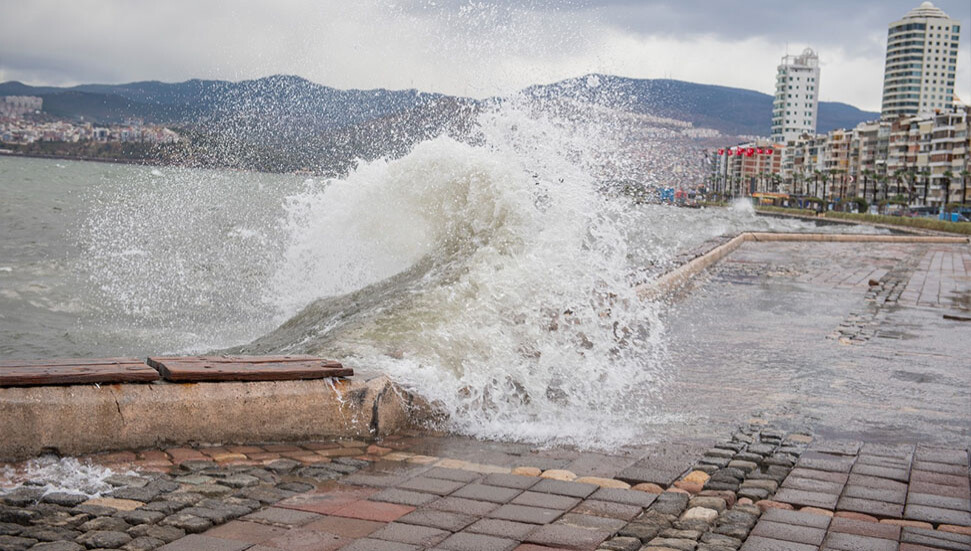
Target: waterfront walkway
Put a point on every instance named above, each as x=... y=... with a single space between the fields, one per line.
x=819 y=398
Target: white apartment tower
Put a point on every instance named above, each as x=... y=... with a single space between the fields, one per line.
x=796 y=97
x=922 y=57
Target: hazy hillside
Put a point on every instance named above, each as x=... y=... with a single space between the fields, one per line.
x=282 y=108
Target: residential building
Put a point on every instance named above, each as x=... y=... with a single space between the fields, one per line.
x=921 y=65
x=18 y=106
x=796 y=103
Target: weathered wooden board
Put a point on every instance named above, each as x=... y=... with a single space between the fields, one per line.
x=75 y=371
x=246 y=368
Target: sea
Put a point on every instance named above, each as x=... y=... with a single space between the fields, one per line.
x=494 y=276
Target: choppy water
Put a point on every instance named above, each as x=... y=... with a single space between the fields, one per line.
x=492 y=274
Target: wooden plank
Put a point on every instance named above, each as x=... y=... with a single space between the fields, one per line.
x=69 y=362
x=68 y=372
x=246 y=368
x=296 y=358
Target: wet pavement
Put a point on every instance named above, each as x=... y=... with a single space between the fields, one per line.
x=844 y=339
x=819 y=397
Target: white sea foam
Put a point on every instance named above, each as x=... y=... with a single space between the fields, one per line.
x=53 y=474
x=518 y=317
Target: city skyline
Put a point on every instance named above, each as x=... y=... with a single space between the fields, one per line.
x=457 y=48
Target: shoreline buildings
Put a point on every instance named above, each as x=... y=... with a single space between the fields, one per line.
x=796 y=101
x=916 y=153
x=922 y=51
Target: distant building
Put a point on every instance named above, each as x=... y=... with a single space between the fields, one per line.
x=796 y=97
x=17 y=106
x=922 y=51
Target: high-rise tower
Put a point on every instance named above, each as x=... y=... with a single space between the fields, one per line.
x=796 y=97
x=922 y=57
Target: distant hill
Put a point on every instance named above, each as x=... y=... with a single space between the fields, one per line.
x=732 y=111
x=285 y=107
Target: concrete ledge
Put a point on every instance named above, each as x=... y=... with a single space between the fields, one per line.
x=674 y=279
x=81 y=419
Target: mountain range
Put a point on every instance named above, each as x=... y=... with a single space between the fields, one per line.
x=291 y=107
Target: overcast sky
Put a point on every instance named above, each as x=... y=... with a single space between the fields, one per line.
x=473 y=48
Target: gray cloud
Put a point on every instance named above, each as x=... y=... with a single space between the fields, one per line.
x=463 y=47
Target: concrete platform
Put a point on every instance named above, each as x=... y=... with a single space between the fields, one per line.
x=81 y=419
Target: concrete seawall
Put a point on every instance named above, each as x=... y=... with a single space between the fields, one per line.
x=80 y=419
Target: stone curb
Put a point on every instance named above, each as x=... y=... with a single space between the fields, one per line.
x=674 y=279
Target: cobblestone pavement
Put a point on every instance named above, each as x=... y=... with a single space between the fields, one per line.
x=761 y=489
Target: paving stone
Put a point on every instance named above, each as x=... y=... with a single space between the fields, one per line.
x=57 y=546
x=482 y=492
x=607 y=509
x=301 y=539
x=940 y=490
x=250 y=532
x=144 y=494
x=810 y=485
x=103 y=538
x=759 y=543
x=754 y=494
x=49 y=533
x=876 y=494
x=738 y=516
x=501 y=528
x=789 y=532
x=837 y=447
x=190 y=523
x=349 y=528
x=935 y=538
x=167 y=507
x=217 y=516
x=547 y=501
x=591 y=522
x=523 y=513
x=105 y=523
x=438 y=486
x=477 y=542
x=572 y=489
x=876 y=482
x=16 y=543
x=628 y=497
x=368 y=544
x=943 y=468
x=671 y=543
x=937 y=515
x=511 y=481
x=10 y=529
x=703 y=515
x=942 y=455
x=64 y=499
x=278 y=516
x=664 y=477
x=373 y=510
x=870 y=507
x=455 y=475
x=461 y=505
x=851 y=542
x=621 y=543
x=803 y=498
x=297 y=487
x=196 y=542
x=825 y=462
x=900 y=475
x=644 y=532
x=814 y=474
x=443 y=520
x=140 y=544
x=164 y=533
x=879 y=461
x=943 y=502
x=414 y=534
x=862 y=528
x=569 y=537
x=404 y=497
x=141 y=517
x=708 y=502
x=719 y=539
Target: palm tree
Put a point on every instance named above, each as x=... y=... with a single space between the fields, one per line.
x=964 y=186
x=947 y=191
x=866 y=177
